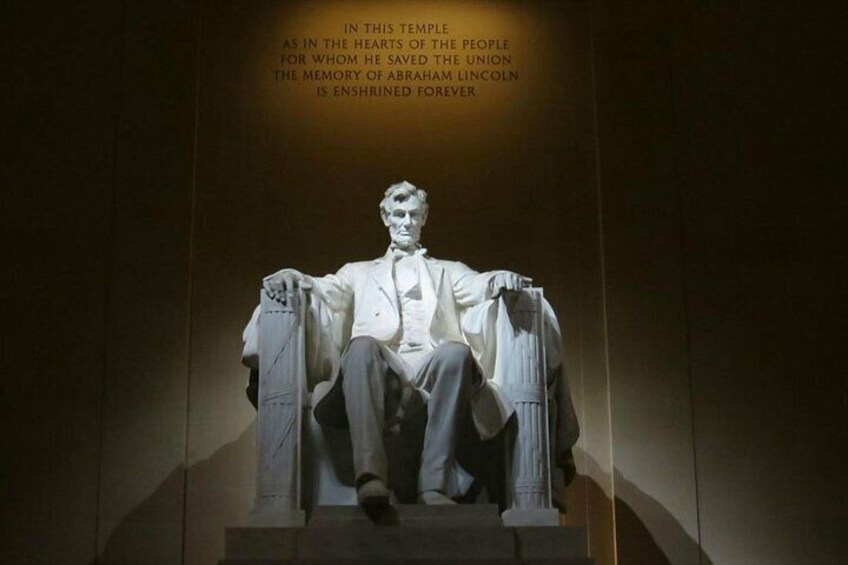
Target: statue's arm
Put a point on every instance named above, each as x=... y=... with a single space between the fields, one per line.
x=471 y=288
x=335 y=291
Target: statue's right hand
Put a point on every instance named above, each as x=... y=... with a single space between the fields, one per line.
x=282 y=285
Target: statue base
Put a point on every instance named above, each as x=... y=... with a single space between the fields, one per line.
x=272 y=516
x=531 y=517
x=472 y=533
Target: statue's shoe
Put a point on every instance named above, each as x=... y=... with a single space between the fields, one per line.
x=435 y=498
x=373 y=494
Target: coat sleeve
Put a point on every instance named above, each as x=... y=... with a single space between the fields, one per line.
x=335 y=291
x=326 y=324
x=470 y=287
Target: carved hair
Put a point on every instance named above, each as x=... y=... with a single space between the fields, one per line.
x=400 y=192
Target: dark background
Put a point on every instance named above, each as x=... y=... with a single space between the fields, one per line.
x=674 y=180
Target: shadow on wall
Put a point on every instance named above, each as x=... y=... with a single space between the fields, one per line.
x=217 y=501
x=635 y=543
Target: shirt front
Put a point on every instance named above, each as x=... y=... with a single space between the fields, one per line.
x=414 y=343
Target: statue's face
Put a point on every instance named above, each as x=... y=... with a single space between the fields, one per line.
x=405 y=221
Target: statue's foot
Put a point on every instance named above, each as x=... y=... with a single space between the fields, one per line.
x=372 y=495
x=435 y=498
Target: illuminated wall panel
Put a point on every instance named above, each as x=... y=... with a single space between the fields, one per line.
x=289 y=176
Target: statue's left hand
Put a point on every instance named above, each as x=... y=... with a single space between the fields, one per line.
x=507 y=281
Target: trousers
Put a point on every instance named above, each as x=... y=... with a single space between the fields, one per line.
x=372 y=390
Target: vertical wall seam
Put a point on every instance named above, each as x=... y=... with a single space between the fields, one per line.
x=581 y=288
x=681 y=235
x=582 y=362
x=198 y=20
x=110 y=250
x=602 y=252
x=582 y=368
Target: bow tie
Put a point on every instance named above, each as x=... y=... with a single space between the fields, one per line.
x=398 y=253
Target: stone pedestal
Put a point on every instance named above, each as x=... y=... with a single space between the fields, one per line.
x=466 y=534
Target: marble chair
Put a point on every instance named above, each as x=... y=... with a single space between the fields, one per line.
x=302 y=465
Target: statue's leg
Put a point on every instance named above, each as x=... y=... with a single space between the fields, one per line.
x=365 y=375
x=449 y=376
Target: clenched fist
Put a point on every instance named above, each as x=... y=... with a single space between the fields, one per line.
x=506 y=281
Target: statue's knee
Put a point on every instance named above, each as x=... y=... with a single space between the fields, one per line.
x=360 y=351
x=455 y=353
x=364 y=344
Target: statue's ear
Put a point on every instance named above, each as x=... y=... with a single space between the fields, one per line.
x=385 y=217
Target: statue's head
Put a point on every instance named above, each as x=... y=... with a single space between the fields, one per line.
x=404 y=211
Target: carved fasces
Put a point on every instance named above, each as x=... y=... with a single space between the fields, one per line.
x=528 y=464
x=281 y=398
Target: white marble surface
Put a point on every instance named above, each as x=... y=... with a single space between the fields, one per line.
x=512 y=333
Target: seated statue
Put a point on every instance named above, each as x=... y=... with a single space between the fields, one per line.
x=407 y=333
